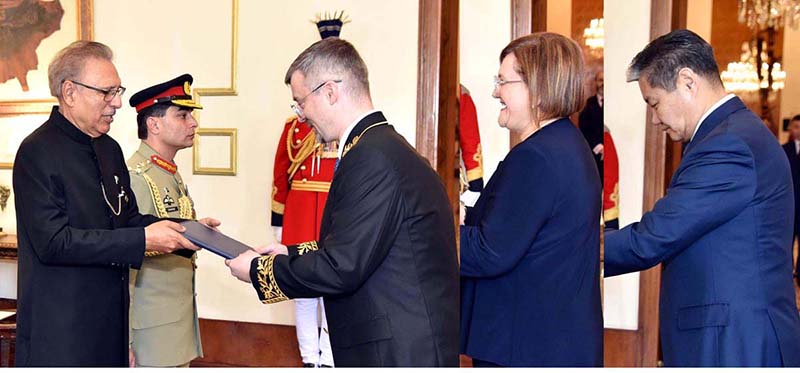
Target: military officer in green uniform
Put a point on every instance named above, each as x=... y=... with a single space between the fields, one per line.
x=164 y=326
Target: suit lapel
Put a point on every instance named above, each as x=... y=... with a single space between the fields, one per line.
x=714 y=119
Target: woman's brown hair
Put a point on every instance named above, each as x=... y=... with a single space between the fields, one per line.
x=552 y=67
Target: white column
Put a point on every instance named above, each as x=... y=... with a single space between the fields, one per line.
x=627 y=26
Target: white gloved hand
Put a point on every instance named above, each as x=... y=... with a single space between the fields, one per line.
x=469 y=198
x=598 y=149
x=277 y=232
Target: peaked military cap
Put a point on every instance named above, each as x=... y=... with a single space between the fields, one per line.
x=177 y=91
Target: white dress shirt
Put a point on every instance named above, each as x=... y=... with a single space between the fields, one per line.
x=711 y=110
x=349 y=129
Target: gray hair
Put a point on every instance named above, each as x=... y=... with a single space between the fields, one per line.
x=329 y=59
x=665 y=56
x=68 y=62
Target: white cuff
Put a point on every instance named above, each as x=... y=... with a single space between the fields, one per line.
x=277 y=232
x=469 y=198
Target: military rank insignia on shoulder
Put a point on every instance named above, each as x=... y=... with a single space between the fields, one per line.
x=141 y=167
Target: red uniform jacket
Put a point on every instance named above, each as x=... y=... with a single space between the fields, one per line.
x=469 y=139
x=302 y=177
x=610 y=179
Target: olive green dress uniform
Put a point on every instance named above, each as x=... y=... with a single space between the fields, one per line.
x=165 y=330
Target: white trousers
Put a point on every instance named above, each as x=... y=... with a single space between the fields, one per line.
x=312 y=335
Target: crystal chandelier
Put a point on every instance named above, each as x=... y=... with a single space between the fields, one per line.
x=742 y=77
x=594 y=36
x=761 y=14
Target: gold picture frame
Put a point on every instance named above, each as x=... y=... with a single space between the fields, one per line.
x=230 y=90
x=198 y=155
x=84 y=30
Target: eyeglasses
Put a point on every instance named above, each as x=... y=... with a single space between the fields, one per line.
x=500 y=82
x=108 y=94
x=297 y=106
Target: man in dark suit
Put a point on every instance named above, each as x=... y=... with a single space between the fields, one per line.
x=591 y=124
x=723 y=229
x=80 y=231
x=386 y=259
x=792 y=149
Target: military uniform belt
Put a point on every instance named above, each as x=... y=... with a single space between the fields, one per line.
x=311 y=186
x=330 y=154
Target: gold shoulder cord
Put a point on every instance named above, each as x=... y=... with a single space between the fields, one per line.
x=156 y=195
x=304 y=149
x=186 y=210
x=184 y=202
x=158 y=203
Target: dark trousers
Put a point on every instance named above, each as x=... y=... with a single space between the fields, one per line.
x=484 y=364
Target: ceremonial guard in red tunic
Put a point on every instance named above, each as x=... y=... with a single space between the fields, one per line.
x=610 y=182
x=469 y=146
x=302 y=176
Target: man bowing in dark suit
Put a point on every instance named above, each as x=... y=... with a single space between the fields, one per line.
x=792 y=149
x=723 y=229
x=386 y=260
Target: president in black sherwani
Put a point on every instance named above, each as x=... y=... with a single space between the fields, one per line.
x=386 y=259
x=79 y=229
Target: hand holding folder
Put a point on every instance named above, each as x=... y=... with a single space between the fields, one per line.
x=212 y=240
x=164 y=236
x=240 y=266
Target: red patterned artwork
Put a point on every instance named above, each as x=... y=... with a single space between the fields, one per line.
x=23 y=26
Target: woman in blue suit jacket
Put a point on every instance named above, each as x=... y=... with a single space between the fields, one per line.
x=530 y=255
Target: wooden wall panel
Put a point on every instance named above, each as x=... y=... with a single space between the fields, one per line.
x=583 y=11
x=437 y=90
x=527 y=16
x=621 y=348
x=727 y=36
x=244 y=344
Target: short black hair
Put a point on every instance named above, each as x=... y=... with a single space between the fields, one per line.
x=157 y=110
x=661 y=60
x=796 y=117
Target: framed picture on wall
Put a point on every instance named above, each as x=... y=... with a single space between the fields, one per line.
x=31 y=33
x=215 y=151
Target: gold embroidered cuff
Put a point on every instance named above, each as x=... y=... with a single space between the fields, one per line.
x=611 y=214
x=151 y=253
x=475 y=173
x=278 y=207
x=306 y=247
x=268 y=289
